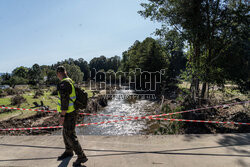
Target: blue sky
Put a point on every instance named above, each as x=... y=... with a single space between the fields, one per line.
x=47 y=31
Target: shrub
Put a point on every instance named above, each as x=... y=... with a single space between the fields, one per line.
x=38 y=93
x=17 y=100
x=11 y=91
x=27 y=90
x=54 y=92
x=34 y=87
x=3 y=93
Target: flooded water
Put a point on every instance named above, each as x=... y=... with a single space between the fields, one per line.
x=122 y=107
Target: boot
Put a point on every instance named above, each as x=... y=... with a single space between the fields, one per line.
x=79 y=160
x=65 y=155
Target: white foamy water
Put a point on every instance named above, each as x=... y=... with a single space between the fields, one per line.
x=118 y=107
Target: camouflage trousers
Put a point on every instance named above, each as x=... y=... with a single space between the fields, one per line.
x=69 y=134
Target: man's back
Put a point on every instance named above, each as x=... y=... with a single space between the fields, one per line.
x=65 y=89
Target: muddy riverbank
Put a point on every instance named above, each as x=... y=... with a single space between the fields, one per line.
x=42 y=119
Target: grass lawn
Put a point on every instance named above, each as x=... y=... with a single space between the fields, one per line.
x=215 y=92
x=5 y=101
x=47 y=98
x=90 y=93
x=184 y=85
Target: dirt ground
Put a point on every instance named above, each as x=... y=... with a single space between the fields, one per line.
x=42 y=119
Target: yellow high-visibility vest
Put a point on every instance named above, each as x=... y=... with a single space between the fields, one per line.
x=72 y=96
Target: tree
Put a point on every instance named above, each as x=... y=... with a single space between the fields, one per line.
x=84 y=67
x=113 y=63
x=209 y=27
x=74 y=72
x=5 y=78
x=173 y=43
x=35 y=74
x=21 y=72
x=15 y=80
x=234 y=52
x=171 y=40
x=148 y=55
x=51 y=77
x=185 y=17
x=98 y=63
x=17 y=77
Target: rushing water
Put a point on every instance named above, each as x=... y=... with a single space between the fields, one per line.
x=122 y=107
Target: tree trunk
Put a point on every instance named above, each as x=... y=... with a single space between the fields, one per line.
x=197 y=68
x=208 y=90
x=192 y=90
x=204 y=89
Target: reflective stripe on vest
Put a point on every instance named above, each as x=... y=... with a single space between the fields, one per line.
x=72 y=96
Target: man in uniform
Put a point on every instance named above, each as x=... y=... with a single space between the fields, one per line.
x=68 y=116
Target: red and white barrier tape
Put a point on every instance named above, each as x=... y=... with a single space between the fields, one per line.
x=136 y=118
x=201 y=121
x=131 y=118
x=23 y=109
x=108 y=115
x=32 y=128
x=198 y=109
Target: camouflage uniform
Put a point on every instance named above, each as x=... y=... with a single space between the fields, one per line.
x=69 y=133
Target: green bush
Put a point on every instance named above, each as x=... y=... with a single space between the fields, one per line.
x=34 y=87
x=3 y=94
x=171 y=127
x=38 y=93
x=11 y=91
x=18 y=100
